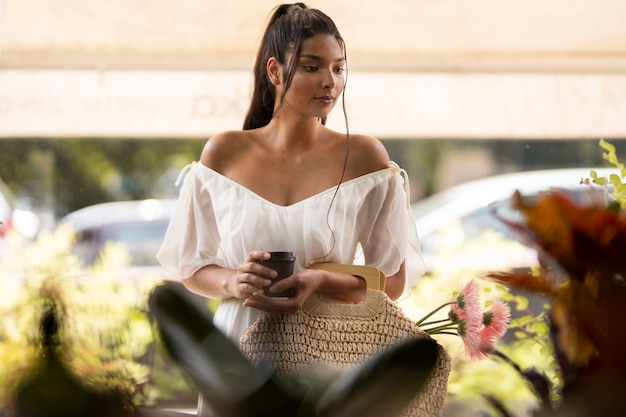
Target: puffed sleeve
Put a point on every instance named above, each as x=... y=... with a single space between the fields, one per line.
x=392 y=237
x=192 y=239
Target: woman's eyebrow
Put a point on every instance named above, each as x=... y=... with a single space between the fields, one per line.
x=318 y=58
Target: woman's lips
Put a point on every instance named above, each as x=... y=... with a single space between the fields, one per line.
x=326 y=99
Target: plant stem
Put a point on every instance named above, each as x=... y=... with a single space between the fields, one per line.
x=423 y=319
x=433 y=322
x=438 y=329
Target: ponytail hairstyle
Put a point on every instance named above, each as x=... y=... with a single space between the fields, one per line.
x=289 y=26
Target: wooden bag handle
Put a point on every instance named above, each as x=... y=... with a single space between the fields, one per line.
x=374 y=277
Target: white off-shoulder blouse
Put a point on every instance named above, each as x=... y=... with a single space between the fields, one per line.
x=218 y=221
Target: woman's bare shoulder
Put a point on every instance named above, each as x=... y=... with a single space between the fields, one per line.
x=367 y=154
x=222 y=148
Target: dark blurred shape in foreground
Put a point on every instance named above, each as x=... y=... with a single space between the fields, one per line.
x=52 y=390
x=384 y=385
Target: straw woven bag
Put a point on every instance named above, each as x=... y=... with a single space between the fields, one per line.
x=343 y=335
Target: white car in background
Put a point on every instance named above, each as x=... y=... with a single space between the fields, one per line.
x=139 y=225
x=458 y=227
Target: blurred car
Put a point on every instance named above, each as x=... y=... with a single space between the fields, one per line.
x=139 y=225
x=458 y=227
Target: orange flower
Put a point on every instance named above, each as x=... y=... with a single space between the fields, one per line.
x=582 y=265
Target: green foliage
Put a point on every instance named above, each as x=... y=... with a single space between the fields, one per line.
x=67 y=174
x=106 y=335
x=618 y=181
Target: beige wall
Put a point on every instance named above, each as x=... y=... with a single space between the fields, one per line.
x=84 y=103
x=457 y=68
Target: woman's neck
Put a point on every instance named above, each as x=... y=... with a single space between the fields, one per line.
x=294 y=134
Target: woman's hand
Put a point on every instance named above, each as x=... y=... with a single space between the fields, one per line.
x=304 y=283
x=213 y=281
x=251 y=276
x=248 y=280
x=341 y=287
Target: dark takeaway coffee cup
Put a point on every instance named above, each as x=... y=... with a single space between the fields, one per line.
x=281 y=262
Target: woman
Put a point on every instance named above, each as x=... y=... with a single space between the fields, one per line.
x=288 y=183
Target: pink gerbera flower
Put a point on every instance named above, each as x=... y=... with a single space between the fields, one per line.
x=469 y=331
x=496 y=319
x=467 y=303
x=469 y=314
x=495 y=322
x=479 y=331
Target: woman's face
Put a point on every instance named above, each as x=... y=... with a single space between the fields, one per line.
x=319 y=77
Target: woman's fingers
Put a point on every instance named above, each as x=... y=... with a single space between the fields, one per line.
x=258 y=255
x=251 y=276
x=260 y=301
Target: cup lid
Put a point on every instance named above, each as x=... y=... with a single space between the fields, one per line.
x=282 y=255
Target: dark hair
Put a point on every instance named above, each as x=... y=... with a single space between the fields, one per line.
x=289 y=26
